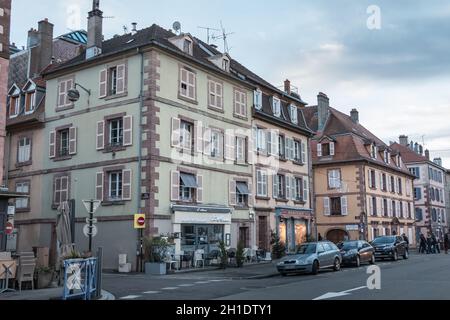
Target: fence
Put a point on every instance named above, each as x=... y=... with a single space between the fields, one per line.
x=80 y=279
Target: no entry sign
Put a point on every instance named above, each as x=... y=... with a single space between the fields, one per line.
x=139 y=221
x=9 y=228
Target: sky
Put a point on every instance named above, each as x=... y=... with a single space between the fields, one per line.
x=388 y=59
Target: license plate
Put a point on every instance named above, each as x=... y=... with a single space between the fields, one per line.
x=290 y=267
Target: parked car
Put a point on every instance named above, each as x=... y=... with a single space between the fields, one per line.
x=391 y=247
x=356 y=252
x=311 y=258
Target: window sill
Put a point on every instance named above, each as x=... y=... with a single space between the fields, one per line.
x=110 y=203
x=298 y=163
x=238 y=116
x=24 y=164
x=262 y=198
x=239 y=208
x=187 y=99
x=300 y=202
x=116 y=96
x=243 y=163
x=216 y=109
x=109 y=149
x=64 y=108
x=282 y=200
x=62 y=158
x=23 y=210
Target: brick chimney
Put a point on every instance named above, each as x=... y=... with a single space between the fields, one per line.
x=403 y=140
x=40 y=44
x=33 y=38
x=323 y=109
x=95 y=31
x=355 y=116
x=287 y=86
x=427 y=154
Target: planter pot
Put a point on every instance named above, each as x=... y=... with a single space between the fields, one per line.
x=155 y=269
x=44 y=280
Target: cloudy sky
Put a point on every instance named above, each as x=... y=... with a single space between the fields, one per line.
x=393 y=66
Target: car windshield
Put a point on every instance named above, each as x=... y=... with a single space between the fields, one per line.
x=384 y=240
x=307 y=249
x=348 y=245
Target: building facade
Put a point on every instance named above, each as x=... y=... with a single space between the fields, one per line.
x=362 y=187
x=447 y=198
x=429 y=188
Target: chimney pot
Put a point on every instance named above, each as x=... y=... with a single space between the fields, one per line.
x=287 y=86
x=427 y=154
x=323 y=105
x=403 y=140
x=355 y=116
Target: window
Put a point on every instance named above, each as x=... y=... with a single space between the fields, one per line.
x=261 y=142
x=374 y=206
x=23 y=203
x=281 y=147
x=24 y=152
x=297 y=151
x=400 y=186
x=30 y=102
x=417 y=193
x=63 y=87
x=298 y=196
x=116 y=132
x=113 y=81
x=215 y=94
x=293 y=113
x=188 y=187
x=373 y=151
x=415 y=171
x=258 y=99
x=372 y=179
x=336 y=208
x=187 y=84
x=240 y=103
x=387 y=157
x=276 y=107
x=279 y=186
x=60 y=190
x=394 y=208
x=401 y=209
x=186 y=136
x=325 y=149
x=261 y=183
x=14 y=106
x=432 y=194
x=438 y=195
x=240 y=149
x=384 y=182
x=409 y=205
x=242 y=194
x=63 y=146
x=392 y=184
x=226 y=64
x=187 y=46
x=385 y=208
x=334 y=179
x=115 y=186
x=434 y=215
x=216 y=144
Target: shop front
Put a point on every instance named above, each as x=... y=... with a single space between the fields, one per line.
x=201 y=228
x=294 y=226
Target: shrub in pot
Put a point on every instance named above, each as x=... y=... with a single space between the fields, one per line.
x=44 y=277
x=240 y=257
x=156 y=250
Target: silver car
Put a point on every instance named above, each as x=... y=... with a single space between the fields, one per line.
x=311 y=258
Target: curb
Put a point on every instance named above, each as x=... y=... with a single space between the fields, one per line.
x=106 y=296
x=265 y=276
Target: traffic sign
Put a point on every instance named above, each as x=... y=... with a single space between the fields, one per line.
x=11 y=211
x=88 y=232
x=139 y=221
x=9 y=228
x=94 y=220
x=95 y=206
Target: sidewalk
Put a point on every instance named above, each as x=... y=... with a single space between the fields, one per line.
x=261 y=270
x=43 y=295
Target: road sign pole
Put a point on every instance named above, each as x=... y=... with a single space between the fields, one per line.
x=91 y=220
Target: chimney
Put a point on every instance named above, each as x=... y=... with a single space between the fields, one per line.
x=134 y=28
x=416 y=148
x=95 y=31
x=45 y=29
x=427 y=154
x=323 y=105
x=355 y=116
x=403 y=140
x=33 y=38
x=287 y=86
x=438 y=161
x=411 y=145
x=421 y=150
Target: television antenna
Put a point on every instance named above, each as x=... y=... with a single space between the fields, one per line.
x=125 y=29
x=208 y=30
x=224 y=37
x=177 y=27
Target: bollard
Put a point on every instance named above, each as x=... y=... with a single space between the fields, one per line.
x=98 y=293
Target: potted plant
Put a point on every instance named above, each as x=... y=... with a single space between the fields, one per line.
x=156 y=250
x=223 y=255
x=44 y=277
x=240 y=255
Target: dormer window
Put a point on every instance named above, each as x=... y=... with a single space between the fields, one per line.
x=387 y=157
x=276 y=107
x=30 y=102
x=187 y=46
x=14 y=106
x=293 y=113
x=373 y=151
x=226 y=64
x=325 y=149
x=258 y=99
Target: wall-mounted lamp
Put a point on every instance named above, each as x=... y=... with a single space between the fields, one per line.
x=74 y=94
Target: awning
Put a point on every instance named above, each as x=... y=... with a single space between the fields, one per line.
x=242 y=188
x=189 y=180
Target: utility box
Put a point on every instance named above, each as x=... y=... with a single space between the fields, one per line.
x=124 y=267
x=42 y=256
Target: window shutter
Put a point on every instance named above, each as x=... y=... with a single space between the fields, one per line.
x=230 y=140
x=219 y=94
x=207 y=142
x=287 y=149
x=128 y=131
x=100 y=135
x=319 y=149
x=126 y=184
x=326 y=206
x=64 y=189
x=380 y=177
x=62 y=94
x=232 y=192
x=382 y=207
x=200 y=189
x=251 y=195
x=69 y=86
x=52 y=144
x=57 y=190
x=103 y=83
x=303 y=152
x=376 y=180
x=332 y=149
x=288 y=187
x=305 y=190
x=174 y=186
x=199 y=136
x=370 y=205
x=250 y=151
x=121 y=74
x=176 y=132
x=73 y=140
x=370 y=178
x=331 y=183
x=100 y=176
x=191 y=87
x=269 y=143
x=344 y=208
x=275 y=187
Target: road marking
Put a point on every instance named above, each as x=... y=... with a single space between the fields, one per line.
x=219 y=280
x=130 y=297
x=186 y=285
x=202 y=282
x=331 y=295
x=170 y=288
x=151 y=292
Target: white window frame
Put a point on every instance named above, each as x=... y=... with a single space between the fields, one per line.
x=261 y=142
x=240 y=105
x=118 y=187
x=276 y=107
x=240 y=149
x=215 y=143
x=257 y=96
x=261 y=183
x=214 y=95
x=24 y=152
x=119 y=129
x=186 y=135
x=16 y=106
x=334 y=179
x=22 y=187
x=187 y=84
x=294 y=113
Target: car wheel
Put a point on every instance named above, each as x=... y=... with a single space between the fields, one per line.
x=283 y=274
x=372 y=260
x=358 y=262
x=315 y=267
x=395 y=256
x=406 y=255
x=337 y=264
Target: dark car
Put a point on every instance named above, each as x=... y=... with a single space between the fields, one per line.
x=390 y=247
x=356 y=252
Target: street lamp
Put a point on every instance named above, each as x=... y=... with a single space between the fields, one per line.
x=74 y=94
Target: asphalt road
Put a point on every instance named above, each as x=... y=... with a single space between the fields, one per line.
x=422 y=277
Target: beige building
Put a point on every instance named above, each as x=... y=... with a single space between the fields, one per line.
x=362 y=187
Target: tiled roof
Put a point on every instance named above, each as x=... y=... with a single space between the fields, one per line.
x=408 y=155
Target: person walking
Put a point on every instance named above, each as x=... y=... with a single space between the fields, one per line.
x=405 y=238
x=422 y=244
x=436 y=248
x=446 y=243
x=320 y=237
x=429 y=244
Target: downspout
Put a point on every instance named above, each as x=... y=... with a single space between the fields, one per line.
x=138 y=197
x=6 y=159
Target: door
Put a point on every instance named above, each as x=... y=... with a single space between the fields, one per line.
x=364 y=253
x=323 y=257
x=244 y=236
x=262 y=233
x=336 y=236
x=330 y=254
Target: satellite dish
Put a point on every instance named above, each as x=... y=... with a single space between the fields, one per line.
x=177 y=26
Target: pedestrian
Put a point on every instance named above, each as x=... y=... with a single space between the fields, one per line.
x=446 y=243
x=320 y=237
x=429 y=244
x=436 y=248
x=405 y=238
x=422 y=244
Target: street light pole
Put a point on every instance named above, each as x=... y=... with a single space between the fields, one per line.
x=91 y=220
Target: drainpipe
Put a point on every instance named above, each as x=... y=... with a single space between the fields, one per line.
x=140 y=235
x=6 y=159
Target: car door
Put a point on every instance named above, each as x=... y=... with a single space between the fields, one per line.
x=322 y=256
x=401 y=248
x=365 y=252
x=330 y=253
